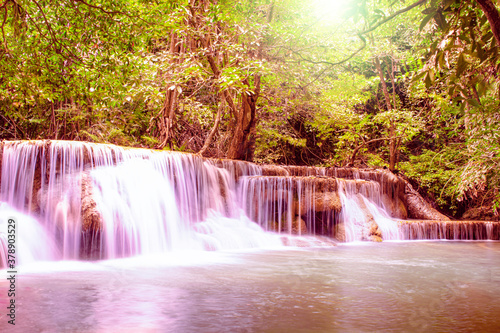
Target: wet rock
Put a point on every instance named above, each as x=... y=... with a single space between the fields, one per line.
x=317 y=202
x=340 y=232
x=395 y=207
x=274 y=170
x=374 y=230
x=91 y=217
x=374 y=238
x=327 y=201
x=483 y=213
x=418 y=208
x=35 y=192
x=368 y=225
x=299 y=226
x=294 y=226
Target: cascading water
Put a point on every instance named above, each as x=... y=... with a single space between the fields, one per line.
x=463 y=230
x=133 y=201
x=363 y=212
x=291 y=205
x=101 y=201
x=28 y=238
x=349 y=210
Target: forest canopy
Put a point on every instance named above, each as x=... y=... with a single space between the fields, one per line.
x=412 y=86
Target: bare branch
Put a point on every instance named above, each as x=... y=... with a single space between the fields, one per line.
x=356 y=150
x=360 y=34
x=4 y=5
x=399 y=12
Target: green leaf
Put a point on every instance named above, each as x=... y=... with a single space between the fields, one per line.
x=461 y=64
x=473 y=102
x=428 y=81
x=418 y=76
x=426 y=20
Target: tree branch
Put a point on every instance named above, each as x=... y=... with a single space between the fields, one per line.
x=360 y=34
x=355 y=151
x=53 y=36
x=101 y=8
x=210 y=137
x=331 y=64
x=399 y=12
x=493 y=17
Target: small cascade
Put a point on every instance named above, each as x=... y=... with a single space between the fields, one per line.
x=44 y=180
x=387 y=225
x=135 y=192
x=363 y=212
x=452 y=230
x=358 y=221
x=291 y=205
x=349 y=210
x=390 y=191
x=28 y=239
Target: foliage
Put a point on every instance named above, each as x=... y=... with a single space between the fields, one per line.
x=442 y=183
x=461 y=72
x=339 y=83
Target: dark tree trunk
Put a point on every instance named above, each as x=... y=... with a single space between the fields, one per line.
x=212 y=133
x=242 y=145
x=493 y=17
x=167 y=118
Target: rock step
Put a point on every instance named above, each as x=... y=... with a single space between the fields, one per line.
x=452 y=230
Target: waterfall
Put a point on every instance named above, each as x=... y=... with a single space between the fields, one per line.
x=291 y=205
x=103 y=201
x=350 y=210
x=29 y=240
x=78 y=200
x=452 y=230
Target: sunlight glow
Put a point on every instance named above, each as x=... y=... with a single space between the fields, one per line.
x=330 y=9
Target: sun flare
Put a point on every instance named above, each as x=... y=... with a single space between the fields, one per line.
x=330 y=9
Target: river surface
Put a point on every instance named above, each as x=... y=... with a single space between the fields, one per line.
x=387 y=287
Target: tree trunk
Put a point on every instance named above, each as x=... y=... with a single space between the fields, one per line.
x=392 y=127
x=167 y=117
x=493 y=17
x=242 y=145
x=210 y=137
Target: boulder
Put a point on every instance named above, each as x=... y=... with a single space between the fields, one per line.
x=395 y=207
x=484 y=213
x=91 y=217
x=274 y=170
x=317 y=202
x=418 y=208
x=299 y=226
x=369 y=227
